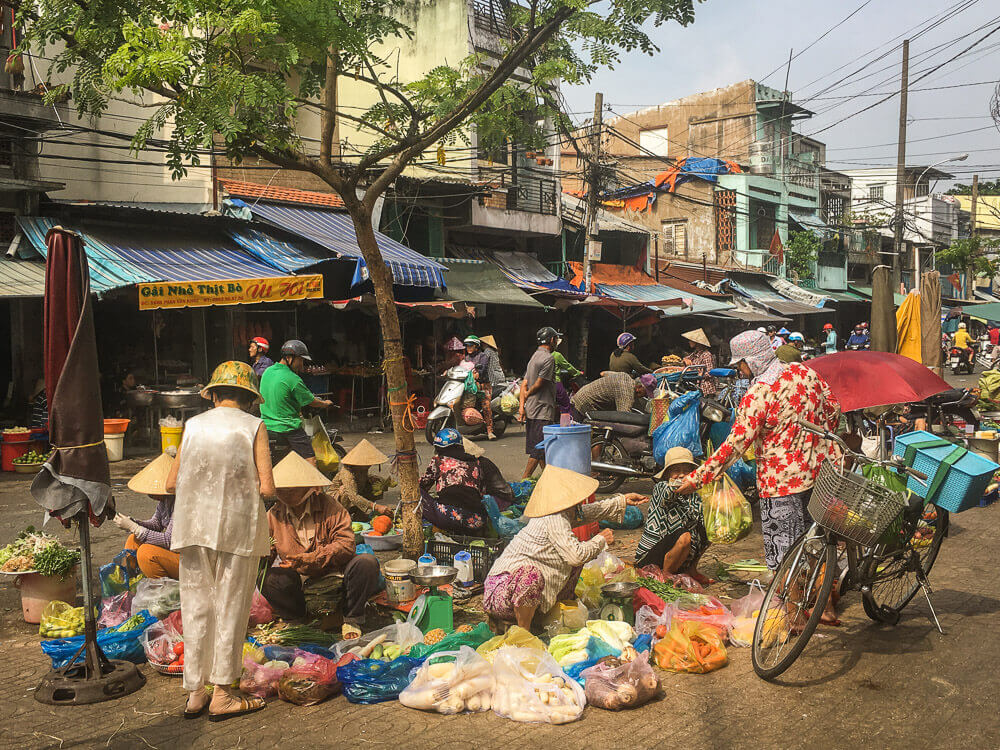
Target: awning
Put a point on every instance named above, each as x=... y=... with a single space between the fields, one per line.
x=796 y=293
x=277 y=253
x=809 y=221
x=988 y=312
x=483 y=283
x=757 y=291
x=839 y=296
x=986 y=296
x=21 y=278
x=747 y=313
x=865 y=293
x=524 y=270
x=335 y=231
x=652 y=294
x=432 y=310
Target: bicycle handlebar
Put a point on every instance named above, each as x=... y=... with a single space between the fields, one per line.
x=895 y=462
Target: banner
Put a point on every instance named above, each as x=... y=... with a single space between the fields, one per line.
x=171 y=295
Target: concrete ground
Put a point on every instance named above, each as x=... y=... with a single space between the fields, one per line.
x=860 y=685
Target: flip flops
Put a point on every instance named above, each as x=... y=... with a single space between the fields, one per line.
x=248 y=705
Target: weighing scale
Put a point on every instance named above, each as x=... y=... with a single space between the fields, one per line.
x=433 y=609
x=617 y=598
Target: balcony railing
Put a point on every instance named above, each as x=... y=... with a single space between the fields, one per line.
x=490 y=17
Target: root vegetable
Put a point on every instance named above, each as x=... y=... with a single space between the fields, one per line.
x=370 y=648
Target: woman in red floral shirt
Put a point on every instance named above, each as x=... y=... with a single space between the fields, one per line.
x=788 y=457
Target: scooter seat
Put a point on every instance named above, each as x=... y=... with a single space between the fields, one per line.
x=722 y=372
x=620 y=417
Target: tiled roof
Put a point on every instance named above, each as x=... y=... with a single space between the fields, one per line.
x=281 y=194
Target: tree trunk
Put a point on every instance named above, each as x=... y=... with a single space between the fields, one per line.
x=392 y=342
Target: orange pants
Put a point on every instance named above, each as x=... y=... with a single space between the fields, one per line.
x=154 y=562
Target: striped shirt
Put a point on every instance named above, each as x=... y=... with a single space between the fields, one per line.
x=612 y=392
x=548 y=544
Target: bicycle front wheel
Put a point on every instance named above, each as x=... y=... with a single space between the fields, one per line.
x=793 y=603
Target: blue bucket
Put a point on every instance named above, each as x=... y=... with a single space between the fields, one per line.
x=567 y=447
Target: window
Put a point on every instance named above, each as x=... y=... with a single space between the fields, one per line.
x=876 y=193
x=675 y=237
x=654 y=141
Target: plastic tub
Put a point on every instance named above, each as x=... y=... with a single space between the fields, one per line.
x=381 y=543
x=170 y=437
x=567 y=447
x=17 y=437
x=38 y=590
x=115 y=445
x=115 y=426
x=399 y=584
x=10 y=451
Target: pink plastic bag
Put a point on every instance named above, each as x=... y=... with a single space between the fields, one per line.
x=259 y=679
x=173 y=621
x=260 y=610
x=708 y=610
x=115 y=610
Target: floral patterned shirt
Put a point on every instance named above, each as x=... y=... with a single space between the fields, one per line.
x=788 y=457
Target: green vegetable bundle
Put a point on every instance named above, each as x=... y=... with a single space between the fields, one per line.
x=665 y=590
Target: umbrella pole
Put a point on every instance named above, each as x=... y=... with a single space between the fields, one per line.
x=96 y=662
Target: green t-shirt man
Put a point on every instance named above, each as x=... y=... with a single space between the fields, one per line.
x=284 y=395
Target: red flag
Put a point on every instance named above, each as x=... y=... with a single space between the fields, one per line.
x=777 y=249
x=956 y=281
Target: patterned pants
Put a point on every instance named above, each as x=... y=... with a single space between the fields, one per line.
x=782 y=521
x=521 y=587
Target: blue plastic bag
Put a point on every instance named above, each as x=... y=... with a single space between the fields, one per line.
x=120 y=575
x=115 y=643
x=374 y=681
x=633 y=520
x=743 y=473
x=643 y=642
x=505 y=527
x=682 y=429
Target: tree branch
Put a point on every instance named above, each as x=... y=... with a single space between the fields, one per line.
x=328 y=117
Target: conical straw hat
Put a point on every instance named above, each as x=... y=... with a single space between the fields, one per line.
x=364 y=454
x=490 y=341
x=152 y=480
x=697 y=336
x=471 y=448
x=295 y=471
x=557 y=490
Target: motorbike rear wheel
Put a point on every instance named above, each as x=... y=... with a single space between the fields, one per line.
x=610 y=451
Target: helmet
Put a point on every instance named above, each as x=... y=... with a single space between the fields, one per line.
x=784 y=331
x=865 y=324
x=473 y=339
x=454 y=345
x=771 y=329
x=648 y=382
x=548 y=335
x=233 y=375
x=796 y=336
x=961 y=325
x=261 y=343
x=295 y=348
x=446 y=437
x=828 y=326
x=762 y=329
x=624 y=340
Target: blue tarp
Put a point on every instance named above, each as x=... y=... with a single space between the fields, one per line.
x=690 y=168
x=659 y=292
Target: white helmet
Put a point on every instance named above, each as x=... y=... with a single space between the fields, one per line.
x=961 y=325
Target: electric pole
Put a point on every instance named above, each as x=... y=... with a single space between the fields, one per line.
x=593 y=161
x=969 y=277
x=897 y=243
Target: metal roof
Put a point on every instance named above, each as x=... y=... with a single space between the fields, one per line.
x=21 y=278
x=524 y=270
x=481 y=282
x=658 y=292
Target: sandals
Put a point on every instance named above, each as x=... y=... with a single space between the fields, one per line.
x=189 y=714
x=248 y=705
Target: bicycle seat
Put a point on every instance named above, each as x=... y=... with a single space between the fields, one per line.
x=619 y=417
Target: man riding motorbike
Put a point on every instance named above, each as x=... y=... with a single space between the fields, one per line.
x=963 y=340
x=859 y=338
x=284 y=396
x=475 y=356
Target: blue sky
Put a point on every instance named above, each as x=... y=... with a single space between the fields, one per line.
x=732 y=40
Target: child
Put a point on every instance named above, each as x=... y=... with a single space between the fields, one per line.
x=674 y=537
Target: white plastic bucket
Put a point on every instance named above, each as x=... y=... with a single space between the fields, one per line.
x=398 y=584
x=115 y=445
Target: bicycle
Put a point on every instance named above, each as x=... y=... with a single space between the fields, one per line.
x=890 y=541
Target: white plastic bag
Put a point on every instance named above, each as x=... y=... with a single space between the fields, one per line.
x=403 y=634
x=160 y=596
x=616 y=686
x=646 y=621
x=530 y=686
x=451 y=682
x=745 y=611
x=565 y=617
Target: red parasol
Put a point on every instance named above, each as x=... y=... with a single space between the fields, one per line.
x=861 y=380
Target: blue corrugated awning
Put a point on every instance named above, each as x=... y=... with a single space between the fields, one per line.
x=657 y=292
x=283 y=255
x=335 y=232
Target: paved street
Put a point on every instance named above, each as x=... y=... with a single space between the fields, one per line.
x=858 y=685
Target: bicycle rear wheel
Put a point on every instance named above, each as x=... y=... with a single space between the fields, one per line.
x=794 y=603
x=894 y=575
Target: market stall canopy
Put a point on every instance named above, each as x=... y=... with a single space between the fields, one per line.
x=990 y=312
x=21 y=278
x=749 y=313
x=797 y=293
x=524 y=271
x=758 y=290
x=432 y=310
x=480 y=282
x=628 y=284
x=866 y=379
x=334 y=230
x=865 y=293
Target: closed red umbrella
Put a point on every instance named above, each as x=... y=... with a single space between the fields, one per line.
x=861 y=380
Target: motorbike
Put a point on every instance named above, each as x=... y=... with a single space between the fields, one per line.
x=622 y=448
x=961 y=361
x=453 y=388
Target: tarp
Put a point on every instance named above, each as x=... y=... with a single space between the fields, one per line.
x=930 y=320
x=640 y=197
x=865 y=292
x=481 y=282
x=757 y=291
x=21 y=278
x=798 y=293
x=986 y=313
x=810 y=221
x=908 y=328
x=883 y=322
x=652 y=293
x=524 y=270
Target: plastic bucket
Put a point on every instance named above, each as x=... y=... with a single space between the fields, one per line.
x=38 y=590
x=567 y=447
x=115 y=445
x=170 y=437
x=10 y=451
x=398 y=584
x=115 y=426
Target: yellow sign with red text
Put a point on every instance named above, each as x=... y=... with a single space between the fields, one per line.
x=170 y=295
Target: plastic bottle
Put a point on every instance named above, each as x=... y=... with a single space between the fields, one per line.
x=463 y=562
x=427 y=559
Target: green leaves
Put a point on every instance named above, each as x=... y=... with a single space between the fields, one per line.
x=801 y=253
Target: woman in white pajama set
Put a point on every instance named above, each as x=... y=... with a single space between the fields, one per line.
x=220 y=532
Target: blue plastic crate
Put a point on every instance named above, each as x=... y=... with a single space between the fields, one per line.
x=964 y=481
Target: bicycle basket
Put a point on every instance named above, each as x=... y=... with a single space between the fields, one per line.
x=853 y=507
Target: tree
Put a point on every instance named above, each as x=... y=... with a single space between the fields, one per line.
x=971 y=254
x=235 y=74
x=986 y=187
x=801 y=254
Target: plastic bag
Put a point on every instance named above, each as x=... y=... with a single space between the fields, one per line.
x=455 y=640
x=633 y=520
x=121 y=574
x=504 y=526
x=160 y=596
x=647 y=619
x=114 y=642
x=682 y=429
x=508 y=403
x=691 y=647
x=261 y=680
x=530 y=686
x=516 y=636
x=727 y=512
x=564 y=617
x=605 y=568
x=403 y=634
x=706 y=610
x=615 y=686
x=745 y=611
x=573 y=648
x=327 y=459
x=743 y=473
x=451 y=682
x=115 y=610
x=163 y=646
x=61 y=620
x=372 y=681
x=260 y=609
x=312 y=682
